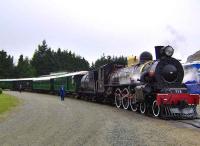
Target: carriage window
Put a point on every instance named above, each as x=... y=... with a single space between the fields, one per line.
x=72 y=79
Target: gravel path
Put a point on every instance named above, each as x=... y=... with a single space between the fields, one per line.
x=43 y=120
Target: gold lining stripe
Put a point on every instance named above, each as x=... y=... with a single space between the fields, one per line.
x=141 y=69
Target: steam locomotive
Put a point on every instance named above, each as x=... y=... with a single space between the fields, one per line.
x=150 y=87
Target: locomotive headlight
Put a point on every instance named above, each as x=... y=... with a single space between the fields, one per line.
x=169 y=51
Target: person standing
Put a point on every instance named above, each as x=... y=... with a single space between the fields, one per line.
x=62 y=93
x=20 y=88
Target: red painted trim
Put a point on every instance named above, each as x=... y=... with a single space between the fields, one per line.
x=174 y=99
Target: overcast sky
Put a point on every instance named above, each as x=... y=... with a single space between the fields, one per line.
x=90 y=27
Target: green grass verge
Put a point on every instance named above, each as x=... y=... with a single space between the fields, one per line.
x=7 y=102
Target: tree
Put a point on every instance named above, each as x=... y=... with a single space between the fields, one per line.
x=43 y=60
x=105 y=60
x=24 y=68
x=46 y=60
x=6 y=65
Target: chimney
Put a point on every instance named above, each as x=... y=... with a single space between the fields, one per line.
x=157 y=51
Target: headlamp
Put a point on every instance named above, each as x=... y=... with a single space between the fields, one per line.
x=169 y=51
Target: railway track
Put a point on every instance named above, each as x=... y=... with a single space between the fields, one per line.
x=194 y=123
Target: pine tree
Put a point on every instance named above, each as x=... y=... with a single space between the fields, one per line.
x=105 y=60
x=43 y=60
x=6 y=65
x=24 y=68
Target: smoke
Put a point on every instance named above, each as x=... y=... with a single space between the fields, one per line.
x=178 y=42
x=191 y=75
x=177 y=36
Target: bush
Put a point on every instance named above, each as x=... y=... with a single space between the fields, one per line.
x=1 y=90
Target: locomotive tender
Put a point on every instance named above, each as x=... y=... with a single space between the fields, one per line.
x=150 y=87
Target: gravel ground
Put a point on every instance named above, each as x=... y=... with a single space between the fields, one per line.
x=43 y=120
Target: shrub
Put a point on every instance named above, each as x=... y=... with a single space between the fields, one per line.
x=1 y=90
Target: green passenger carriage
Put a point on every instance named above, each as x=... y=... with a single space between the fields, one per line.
x=6 y=84
x=42 y=84
x=48 y=84
x=70 y=81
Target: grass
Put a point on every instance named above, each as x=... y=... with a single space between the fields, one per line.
x=7 y=102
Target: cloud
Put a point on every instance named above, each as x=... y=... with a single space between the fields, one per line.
x=91 y=27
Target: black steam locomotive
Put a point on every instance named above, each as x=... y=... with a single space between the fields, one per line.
x=151 y=86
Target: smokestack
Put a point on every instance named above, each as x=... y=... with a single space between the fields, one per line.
x=157 y=51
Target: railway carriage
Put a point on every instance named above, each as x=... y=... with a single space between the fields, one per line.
x=14 y=84
x=6 y=84
x=42 y=84
x=50 y=83
x=26 y=83
x=58 y=82
x=70 y=81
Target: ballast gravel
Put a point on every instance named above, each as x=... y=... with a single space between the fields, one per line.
x=44 y=120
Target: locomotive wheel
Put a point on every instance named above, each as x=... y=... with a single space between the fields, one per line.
x=142 y=107
x=125 y=98
x=133 y=104
x=155 y=109
x=118 y=98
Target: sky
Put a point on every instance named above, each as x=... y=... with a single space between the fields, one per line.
x=93 y=27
